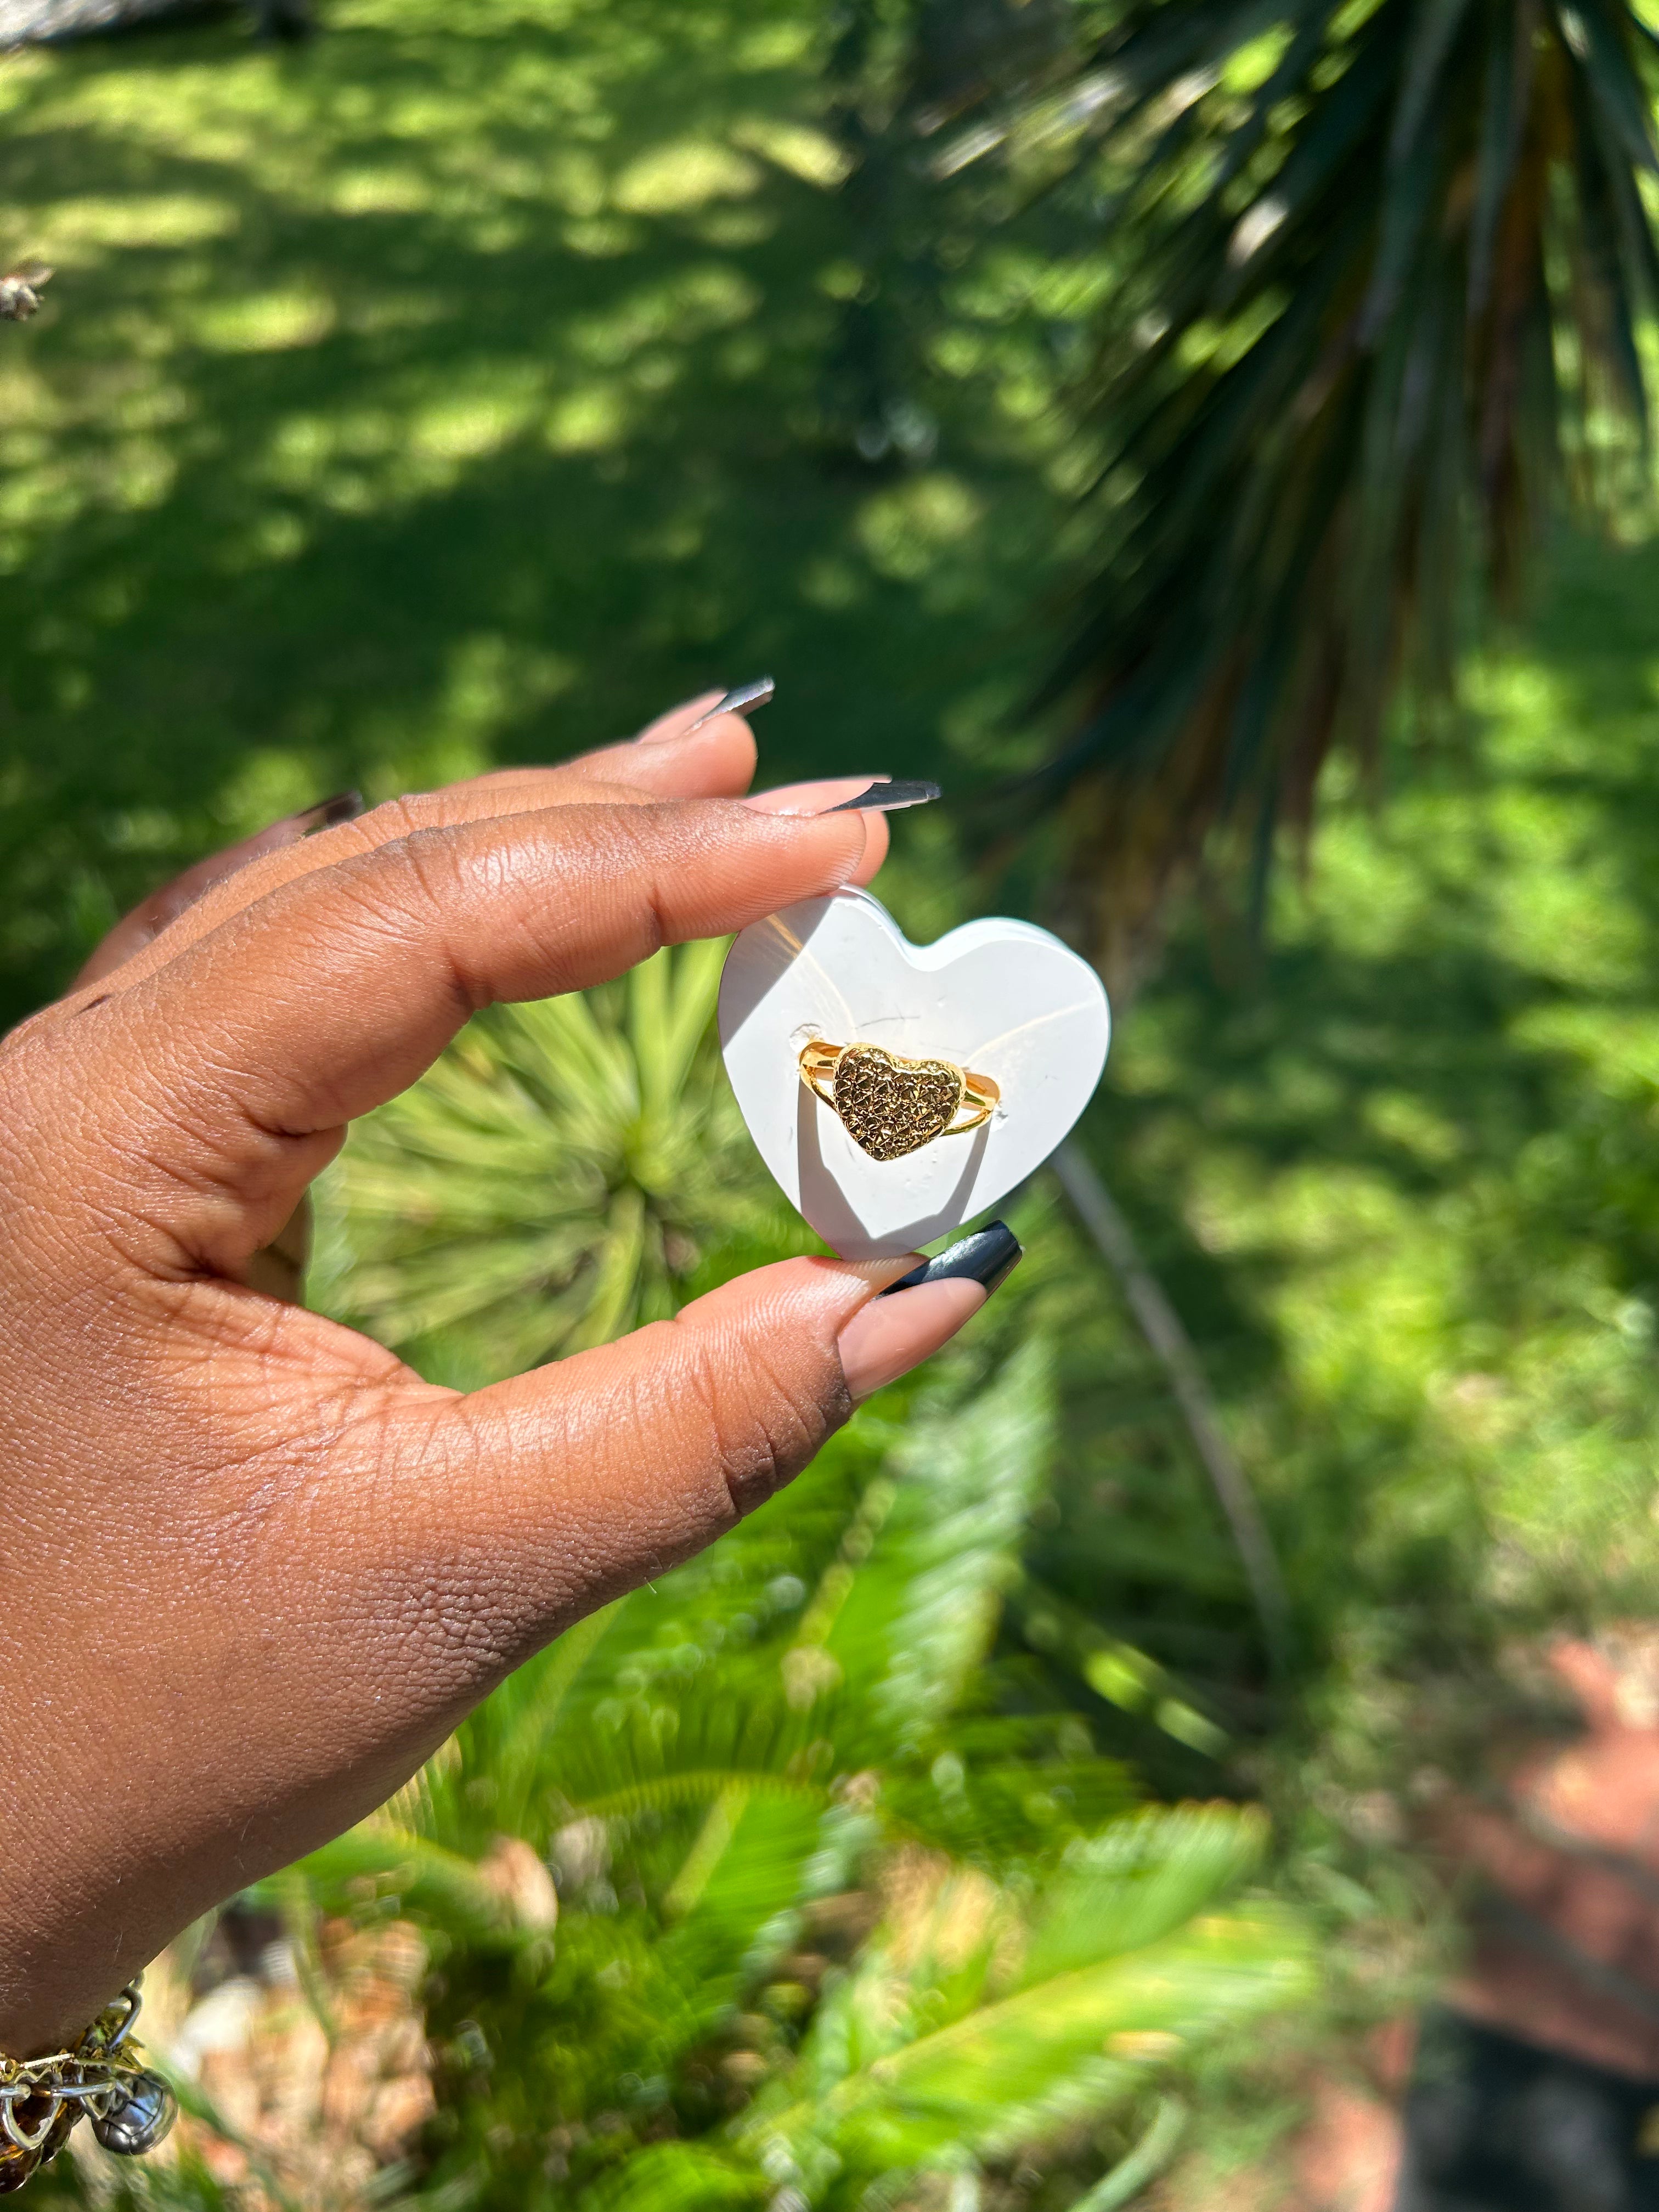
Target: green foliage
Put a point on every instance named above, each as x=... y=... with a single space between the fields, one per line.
x=446 y=396
x=1376 y=279
x=1401 y=1188
x=842 y=1901
x=715 y=1767
x=553 y=1182
x=366 y=438
x=1383 y=281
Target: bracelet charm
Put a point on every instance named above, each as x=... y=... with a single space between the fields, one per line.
x=104 y=2077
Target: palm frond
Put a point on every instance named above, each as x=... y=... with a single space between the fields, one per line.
x=1372 y=316
x=917 y=2053
x=1138 y=1880
x=1041 y=1954
x=552 y=1182
x=914 y=1599
x=426 y=1876
x=1070 y=2048
x=1372 y=282
x=680 y=2177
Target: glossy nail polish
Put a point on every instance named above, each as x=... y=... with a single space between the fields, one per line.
x=988 y=1257
x=886 y=796
x=892 y=1334
x=742 y=701
x=344 y=806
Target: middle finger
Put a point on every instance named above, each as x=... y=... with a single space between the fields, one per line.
x=715 y=759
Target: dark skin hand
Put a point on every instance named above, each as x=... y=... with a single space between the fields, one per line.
x=257 y=1569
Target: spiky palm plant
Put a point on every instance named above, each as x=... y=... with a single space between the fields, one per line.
x=811 y=1735
x=554 y=1181
x=1392 y=310
x=838 y=1907
x=1377 y=273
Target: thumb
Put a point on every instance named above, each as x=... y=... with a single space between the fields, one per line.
x=564 y=1487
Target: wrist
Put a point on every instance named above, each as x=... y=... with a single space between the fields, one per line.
x=99 y=2076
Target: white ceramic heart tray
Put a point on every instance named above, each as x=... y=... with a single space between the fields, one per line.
x=1002 y=998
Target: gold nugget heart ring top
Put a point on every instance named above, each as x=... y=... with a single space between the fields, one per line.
x=889 y=1105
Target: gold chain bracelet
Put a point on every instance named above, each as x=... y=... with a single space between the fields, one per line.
x=104 y=2077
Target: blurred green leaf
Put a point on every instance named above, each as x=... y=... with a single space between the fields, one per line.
x=1377 y=281
x=552 y=1182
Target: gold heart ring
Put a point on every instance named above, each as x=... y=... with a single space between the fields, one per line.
x=889 y=1105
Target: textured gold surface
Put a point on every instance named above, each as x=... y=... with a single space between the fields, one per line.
x=890 y=1106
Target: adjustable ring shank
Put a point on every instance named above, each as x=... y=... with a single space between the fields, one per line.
x=817 y=1067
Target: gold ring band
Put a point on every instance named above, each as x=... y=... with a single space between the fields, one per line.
x=889 y=1105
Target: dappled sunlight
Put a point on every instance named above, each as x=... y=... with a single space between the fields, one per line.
x=905 y=530
x=687 y=175
x=588 y=420
x=465 y=388
x=505 y=326
x=74 y=231
x=1403 y=1178
x=266 y=322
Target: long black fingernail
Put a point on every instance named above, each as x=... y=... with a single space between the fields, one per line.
x=344 y=806
x=740 y=702
x=886 y=798
x=988 y=1256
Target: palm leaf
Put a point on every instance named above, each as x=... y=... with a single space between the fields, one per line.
x=909 y=1609
x=426 y=1877
x=1376 y=278
x=1138 y=1880
x=1019 y=2071
x=680 y=2177
x=551 y=1182
x=1447 y=190
x=1127 y=1964
x=1039 y=1978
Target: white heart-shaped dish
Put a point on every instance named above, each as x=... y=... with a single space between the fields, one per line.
x=1002 y=998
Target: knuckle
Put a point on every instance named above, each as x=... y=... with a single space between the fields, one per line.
x=631 y=848
x=404 y=877
x=406 y=891
x=429 y=866
x=769 y=1409
x=391 y=819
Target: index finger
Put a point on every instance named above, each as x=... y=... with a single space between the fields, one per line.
x=679 y=756
x=714 y=758
x=225 y=1076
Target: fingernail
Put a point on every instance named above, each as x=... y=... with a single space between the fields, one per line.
x=886 y=796
x=990 y=1256
x=824 y=796
x=344 y=806
x=891 y=1335
x=746 y=697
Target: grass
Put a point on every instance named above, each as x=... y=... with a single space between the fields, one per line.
x=449 y=393
x=1402 y=1180
x=452 y=392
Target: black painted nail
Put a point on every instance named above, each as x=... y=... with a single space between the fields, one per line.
x=990 y=1256
x=740 y=702
x=344 y=806
x=886 y=798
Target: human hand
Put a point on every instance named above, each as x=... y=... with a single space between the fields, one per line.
x=257 y=1569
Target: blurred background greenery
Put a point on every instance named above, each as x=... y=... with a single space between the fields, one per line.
x=465 y=388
